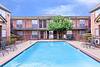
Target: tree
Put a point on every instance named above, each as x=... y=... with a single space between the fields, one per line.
x=60 y=24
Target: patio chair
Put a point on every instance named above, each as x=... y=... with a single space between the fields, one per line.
x=3 y=46
x=87 y=45
x=90 y=44
x=1 y=52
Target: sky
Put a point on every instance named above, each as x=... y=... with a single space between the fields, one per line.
x=50 y=7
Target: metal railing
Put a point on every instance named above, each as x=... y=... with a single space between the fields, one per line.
x=80 y=27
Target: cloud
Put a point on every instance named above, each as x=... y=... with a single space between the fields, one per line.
x=88 y=3
x=59 y=10
x=75 y=9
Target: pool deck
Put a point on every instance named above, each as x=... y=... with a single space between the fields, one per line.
x=93 y=52
x=20 y=47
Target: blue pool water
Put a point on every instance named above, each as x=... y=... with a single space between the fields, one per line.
x=52 y=54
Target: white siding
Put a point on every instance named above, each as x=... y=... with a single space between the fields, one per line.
x=3 y=13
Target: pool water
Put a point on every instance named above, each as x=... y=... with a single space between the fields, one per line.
x=52 y=54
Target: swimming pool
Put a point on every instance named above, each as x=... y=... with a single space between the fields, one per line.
x=52 y=54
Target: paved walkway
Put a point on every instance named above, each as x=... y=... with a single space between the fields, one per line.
x=93 y=52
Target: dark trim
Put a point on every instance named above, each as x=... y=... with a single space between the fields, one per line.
x=96 y=8
x=30 y=29
x=3 y=19
x=97 y=18
x=4 y=8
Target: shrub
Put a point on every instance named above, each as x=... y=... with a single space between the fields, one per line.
x=12 y=41
x=13 y=38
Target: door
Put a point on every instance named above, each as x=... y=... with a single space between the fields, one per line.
x=55 y=34
x=41 y=34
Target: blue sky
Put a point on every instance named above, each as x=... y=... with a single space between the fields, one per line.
x=50 y=7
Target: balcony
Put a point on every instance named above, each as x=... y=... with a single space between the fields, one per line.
x=23 y=29
x=80 y=27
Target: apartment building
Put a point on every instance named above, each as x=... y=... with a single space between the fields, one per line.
x=95 y=21
x=4 y=23
x=36 y=27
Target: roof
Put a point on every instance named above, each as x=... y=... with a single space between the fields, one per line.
x=2 y=18
x=47 y=17
x=95 y=8
x=4 y=8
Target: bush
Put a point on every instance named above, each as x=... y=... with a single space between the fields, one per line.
x=70 y=36
x=17 y=37
x=12 y=40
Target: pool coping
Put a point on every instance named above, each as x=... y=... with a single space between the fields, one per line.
x=85 y=52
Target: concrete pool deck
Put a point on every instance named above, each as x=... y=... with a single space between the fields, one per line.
x=20 y=47
x=93 y=52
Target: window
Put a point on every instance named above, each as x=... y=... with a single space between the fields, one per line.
x=34 y=23
x=3 y=26
x=82 y=23
x=40 y=23
x=20 y=32
x=3 y=30
x=34 y=34
x=51 y=32
x=44 y=24
x=82 y=32
x=19 y=23
x=97 y=32
x=74 y=25
x=3 y=33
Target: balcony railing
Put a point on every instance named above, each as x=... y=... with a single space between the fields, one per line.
x=30 y=28
x=80 y=27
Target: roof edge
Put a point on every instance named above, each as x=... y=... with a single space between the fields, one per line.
x=4 y=8
x=95 y=8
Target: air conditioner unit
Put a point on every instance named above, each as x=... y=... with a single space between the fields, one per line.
x=97 y=41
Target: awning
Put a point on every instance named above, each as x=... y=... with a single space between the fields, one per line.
x=98 y=18
x=3 y=19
